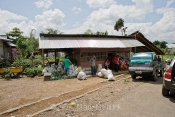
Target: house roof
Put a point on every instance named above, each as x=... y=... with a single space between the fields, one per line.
x=170 y=45
x=4 y=39
x=149 y=46
x=11 y=44
x=54 y=41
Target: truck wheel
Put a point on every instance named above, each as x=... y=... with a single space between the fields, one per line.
x=133 y=76
x=165 y=92
x=161 y=72
x=154 y=77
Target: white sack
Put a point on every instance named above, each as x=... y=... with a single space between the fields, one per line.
x=100 y=75
x=77 y=70
x=104 y=72
x=81 y=75
x=110 y=75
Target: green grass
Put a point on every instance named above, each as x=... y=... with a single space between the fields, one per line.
x=165 y=57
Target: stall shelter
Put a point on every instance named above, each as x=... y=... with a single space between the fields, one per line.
x=81 y=47
x=6 y=46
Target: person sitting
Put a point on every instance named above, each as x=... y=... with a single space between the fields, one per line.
x=123 y=65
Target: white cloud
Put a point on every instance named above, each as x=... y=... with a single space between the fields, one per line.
x=114 y=12
x=76 y=10
x=144 y=5
x=9 y=16
x=43 y=3
x=76 y=24
x=164 y=29
x=9 y=20
x=170 y=2
x=50 y=19
x=100 y=3
x=101 y=19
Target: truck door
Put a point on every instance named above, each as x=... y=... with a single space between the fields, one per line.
x=155 y=61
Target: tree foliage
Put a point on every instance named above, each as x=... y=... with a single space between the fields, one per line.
x=14 y=34
x=51 y=31
x=90 y=32
x=162 y=46
x=25 y=45
x=119 y=25
x=156 y=42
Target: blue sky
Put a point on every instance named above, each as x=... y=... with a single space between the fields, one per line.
x=154 y=18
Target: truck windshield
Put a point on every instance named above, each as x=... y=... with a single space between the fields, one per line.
x=142 y=56
x=141 y=59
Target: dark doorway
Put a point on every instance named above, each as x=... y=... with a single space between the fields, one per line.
x=110 y=57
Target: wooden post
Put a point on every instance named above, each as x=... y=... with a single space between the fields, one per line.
x=135 y=49
x=55 y=55
x=43 y=56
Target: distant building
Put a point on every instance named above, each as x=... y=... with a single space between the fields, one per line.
x=6 y=46
x=171 y=47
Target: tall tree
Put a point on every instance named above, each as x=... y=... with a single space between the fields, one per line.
x=14 y=34
x=119 y=25
x=156 y=42
x=163 y=44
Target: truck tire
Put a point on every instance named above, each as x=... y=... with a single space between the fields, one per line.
x=161 y=72
x=154 y=77
x=165 y=92
x=133 y=77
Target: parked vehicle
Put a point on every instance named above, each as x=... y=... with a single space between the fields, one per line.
x=169 y=79
x=146 y=64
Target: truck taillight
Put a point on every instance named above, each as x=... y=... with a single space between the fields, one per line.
x=167 y=73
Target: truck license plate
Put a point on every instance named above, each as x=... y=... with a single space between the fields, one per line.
x=138 y=72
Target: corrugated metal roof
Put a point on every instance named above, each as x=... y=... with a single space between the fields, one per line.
x=86 y=42
x=4 y=39
x=171 y=45
x=11 y=44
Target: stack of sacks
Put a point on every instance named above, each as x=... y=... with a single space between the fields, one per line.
x=77 y=70
x=71 y=71
x=47 y=71
x=81 y=75
x=99 y=67
x=106 y=74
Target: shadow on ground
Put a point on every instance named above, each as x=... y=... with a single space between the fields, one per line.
x=149 y=80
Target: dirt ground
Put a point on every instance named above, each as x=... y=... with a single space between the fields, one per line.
x=25 y=90
x=88 y=98
x=91 y=104
x=22 y=91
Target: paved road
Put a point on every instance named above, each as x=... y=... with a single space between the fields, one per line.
x=144 y=101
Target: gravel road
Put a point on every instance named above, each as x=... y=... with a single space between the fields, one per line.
x=144 y=101
x=126 y=98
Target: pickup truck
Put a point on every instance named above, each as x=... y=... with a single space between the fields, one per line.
x=146 y=65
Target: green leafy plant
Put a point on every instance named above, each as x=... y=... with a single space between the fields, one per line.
x=38 y=71
x=58 y=75
x=30 y=72
x=25 y=63
x=8 y=74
